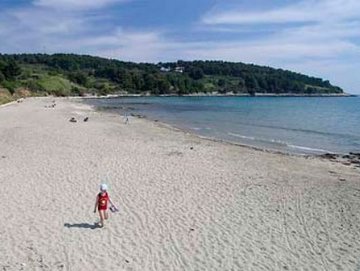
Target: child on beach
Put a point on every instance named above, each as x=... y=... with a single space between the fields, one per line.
x=101 y=204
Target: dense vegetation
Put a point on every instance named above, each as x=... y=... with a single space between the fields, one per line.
x=69 y=74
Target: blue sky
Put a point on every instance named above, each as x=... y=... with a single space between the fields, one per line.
x=315 y=37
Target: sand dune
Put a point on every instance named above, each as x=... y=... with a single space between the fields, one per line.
x=185 y=203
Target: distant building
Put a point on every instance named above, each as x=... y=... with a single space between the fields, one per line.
x=179 y=69
x=165 y=69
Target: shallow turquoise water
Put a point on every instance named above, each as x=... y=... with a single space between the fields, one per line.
x=290 y=124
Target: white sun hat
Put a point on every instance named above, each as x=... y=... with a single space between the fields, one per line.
x=103 y=187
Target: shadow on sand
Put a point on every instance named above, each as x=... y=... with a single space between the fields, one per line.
x=81 y=225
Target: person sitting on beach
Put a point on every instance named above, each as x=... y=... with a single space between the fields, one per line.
x=101 y=204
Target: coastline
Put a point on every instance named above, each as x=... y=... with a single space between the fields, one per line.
x=156 y=109
x=216 y=94
x=348 y=159
x=218 y=140
x=200 y=94
x=186 y=203
x=7 y=104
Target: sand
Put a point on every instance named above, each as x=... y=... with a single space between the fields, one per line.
x=185 y=203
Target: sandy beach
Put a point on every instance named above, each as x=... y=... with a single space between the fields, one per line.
x=185 y=203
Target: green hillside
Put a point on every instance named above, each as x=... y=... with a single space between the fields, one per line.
x=69 y=74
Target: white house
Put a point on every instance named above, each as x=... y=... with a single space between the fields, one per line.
x=179 y=69
x=165 y=69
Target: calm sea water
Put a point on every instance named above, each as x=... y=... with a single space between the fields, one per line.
x=291 y=124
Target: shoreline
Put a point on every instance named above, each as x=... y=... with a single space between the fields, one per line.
x=344 y=158
x=285 y=148
x=111 y=96
x=218 y=140
x=7 y=104
x=347 y=159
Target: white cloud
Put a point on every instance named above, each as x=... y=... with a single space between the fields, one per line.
x=121 y=44
x=300 y=12
x=75 y=4
x=47 y=23
x=268 y=52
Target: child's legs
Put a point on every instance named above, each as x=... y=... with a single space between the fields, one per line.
x=102 y=216
x=106 y=214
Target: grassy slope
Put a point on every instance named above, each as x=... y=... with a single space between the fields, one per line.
x=55 y=84
x=5 y=96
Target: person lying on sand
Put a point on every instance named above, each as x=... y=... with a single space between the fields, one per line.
x=101 y=204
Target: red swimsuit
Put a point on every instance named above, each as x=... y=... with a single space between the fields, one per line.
x=103 y=199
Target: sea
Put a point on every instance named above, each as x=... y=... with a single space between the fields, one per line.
x=300 y=125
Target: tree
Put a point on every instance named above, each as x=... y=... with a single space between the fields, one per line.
x=34 y=86
x=11 y=70
x=196 y=73
x=149 y=82
x=241 y=84
x=2 y=77
x=221 y=82
x=78 y=77
x=2 y=65
x=262 y=84
x=251 y=83
x=163 y=86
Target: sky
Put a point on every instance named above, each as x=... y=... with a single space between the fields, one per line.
x=316 y=37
